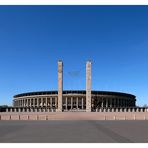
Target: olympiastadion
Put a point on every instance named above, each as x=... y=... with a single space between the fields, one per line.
x=73 y=100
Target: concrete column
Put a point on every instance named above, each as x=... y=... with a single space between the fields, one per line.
x=51 y=103
x=102 y=103
x=60 y=85
x=27 y=102
x=88 y=86
x=46 y=101
x=106 y=102
x=82 y=103
x=34 y=102
x=77 y=102
x=22 y=102
x=37 y=102
x=111 y=102
x=71 y=102
x=66 y=102
x=41 y=102
x=56 y=102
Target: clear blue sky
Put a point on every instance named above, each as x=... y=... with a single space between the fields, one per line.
x=33 y=38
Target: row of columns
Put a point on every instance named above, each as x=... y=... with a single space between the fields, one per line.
x=53 y=101
x=28 y=102
x=79 y=102
x=40 y=102
x=109 y=102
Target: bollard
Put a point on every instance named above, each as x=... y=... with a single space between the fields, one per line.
x=10 y=117
x=125 y=118
x=19 y=117
x=46 y=117
x=37 y=117
x=104 y=117
x=114 y=117
x=0 y=117
x=28 y=117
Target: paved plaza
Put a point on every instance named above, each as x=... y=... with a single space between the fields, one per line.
x=73 y=131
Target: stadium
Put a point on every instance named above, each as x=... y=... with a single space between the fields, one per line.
x=72 y=100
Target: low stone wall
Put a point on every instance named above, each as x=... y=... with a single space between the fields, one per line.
x=74 y=116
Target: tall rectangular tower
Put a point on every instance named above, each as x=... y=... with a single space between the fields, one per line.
x=88 y=86
x=60 y=85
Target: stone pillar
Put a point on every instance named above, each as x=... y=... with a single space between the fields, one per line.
x=82 y=103
x=51 y=103
x=29 y=102
x=71 y=102
x=34 y=102
x=56 y=102
x=46 y=101
x=102 y=103
x=19 y=103
x=42 y=102
x=22 y=102
x=37 y=102
x=111 y=102
x=88 y=86
x=26 y=102
x=106 y=102
x=77 y=102
x=66 y=102
x=60 y=85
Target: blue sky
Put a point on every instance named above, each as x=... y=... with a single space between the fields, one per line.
x=34 y=38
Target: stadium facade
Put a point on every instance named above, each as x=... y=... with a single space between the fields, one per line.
x=72 y=100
